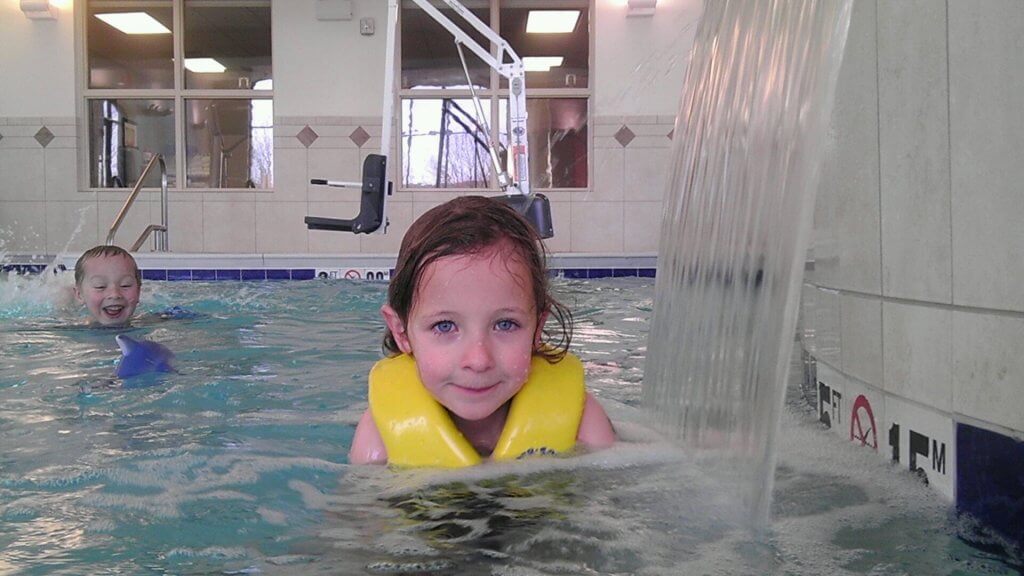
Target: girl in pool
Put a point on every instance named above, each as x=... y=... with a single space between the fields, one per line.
x=471 y=372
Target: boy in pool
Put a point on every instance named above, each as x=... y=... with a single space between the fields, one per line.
x=470 y=373
x=108 y=283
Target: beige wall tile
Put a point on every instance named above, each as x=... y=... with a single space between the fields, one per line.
x=22 y=227
x=280 y=227
x=291 y=181
x=646 y=173
x=71 y=226
x=597 y=227
x=608 y=184
x=334 y=164
x=185 y=226
x=21 y=174
x=642 y=221
x=229 y=226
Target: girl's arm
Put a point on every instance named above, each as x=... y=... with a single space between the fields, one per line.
x=596 y=430
x=367 y=445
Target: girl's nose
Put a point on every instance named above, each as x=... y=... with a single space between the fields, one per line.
x=478 y=356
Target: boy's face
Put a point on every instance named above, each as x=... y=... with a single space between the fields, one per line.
x=472 y=330
x=109 y=289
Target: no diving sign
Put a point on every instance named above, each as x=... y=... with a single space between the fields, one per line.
x=373 y=274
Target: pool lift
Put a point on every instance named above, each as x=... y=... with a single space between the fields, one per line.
x=372 y=217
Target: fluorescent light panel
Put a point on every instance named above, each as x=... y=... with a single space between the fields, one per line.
x=541 y=63
x=134 y=23
x=204 y=66
x=551 y=21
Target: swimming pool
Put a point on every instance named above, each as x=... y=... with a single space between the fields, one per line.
x=237 y=465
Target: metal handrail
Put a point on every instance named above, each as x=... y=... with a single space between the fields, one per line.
x=145 y=234
x=160 y=239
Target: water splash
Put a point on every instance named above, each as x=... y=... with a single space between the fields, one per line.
x=756 y=101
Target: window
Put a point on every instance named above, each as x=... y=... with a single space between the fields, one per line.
x=188 y=79
x=446 y=138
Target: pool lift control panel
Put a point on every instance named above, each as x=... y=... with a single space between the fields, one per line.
x=372 y=217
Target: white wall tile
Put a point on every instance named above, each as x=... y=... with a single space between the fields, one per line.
x=986 y=77
x=280 y=227
x=646 y=171
x=340 y=164
x=61 y=174
x=642 y=222
x=849 y=176
x=988 y=368
x=291 y=182
x=609 y=180
x=597 y=227
x=71 y=226
x=229 y=226
x=185 y=226
x=561 y=219
x=914 y=160
x=23 y=227
x=861 y=337
x=21 y=174
x=825 y=318
x=918 y=362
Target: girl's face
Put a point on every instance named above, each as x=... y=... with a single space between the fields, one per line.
x=472 y=329
x=109 y=289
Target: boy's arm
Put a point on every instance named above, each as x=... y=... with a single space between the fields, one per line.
x=596 y=430
x=367 y=445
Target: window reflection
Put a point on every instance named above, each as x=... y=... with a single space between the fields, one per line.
x=123 y=135
x=123 y=58
x=429 y=56
x=572 y=47
x=444 y=144
x=229 y=143
x=235 y=36
x=557 y=132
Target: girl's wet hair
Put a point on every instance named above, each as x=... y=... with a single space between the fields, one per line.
x=469 y=225
x=104 y=250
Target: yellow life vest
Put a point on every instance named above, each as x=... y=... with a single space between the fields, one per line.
x=544 y=417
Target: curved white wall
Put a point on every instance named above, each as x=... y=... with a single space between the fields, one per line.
x=916 y=300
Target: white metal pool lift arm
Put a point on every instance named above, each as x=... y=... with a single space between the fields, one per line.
x=517 y=191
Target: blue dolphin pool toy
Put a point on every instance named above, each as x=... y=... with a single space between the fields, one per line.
x=141 y=356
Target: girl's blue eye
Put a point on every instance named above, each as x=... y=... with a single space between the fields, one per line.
x=444 y=326
x=506 y=325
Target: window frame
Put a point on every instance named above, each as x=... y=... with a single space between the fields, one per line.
x=494 y=94
x=179 y=95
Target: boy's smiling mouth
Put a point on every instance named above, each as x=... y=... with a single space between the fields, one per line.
x=113 y=309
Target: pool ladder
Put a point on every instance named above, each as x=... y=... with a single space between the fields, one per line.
x=160 y=238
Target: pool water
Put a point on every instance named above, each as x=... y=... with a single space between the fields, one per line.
x=236 y=464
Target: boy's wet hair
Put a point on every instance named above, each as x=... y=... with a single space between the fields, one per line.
x=103 y=250
x=469 y=225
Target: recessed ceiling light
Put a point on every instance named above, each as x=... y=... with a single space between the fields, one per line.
x=204 y=66
x=551 y=21
x=134 y=23
x=541 y=63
